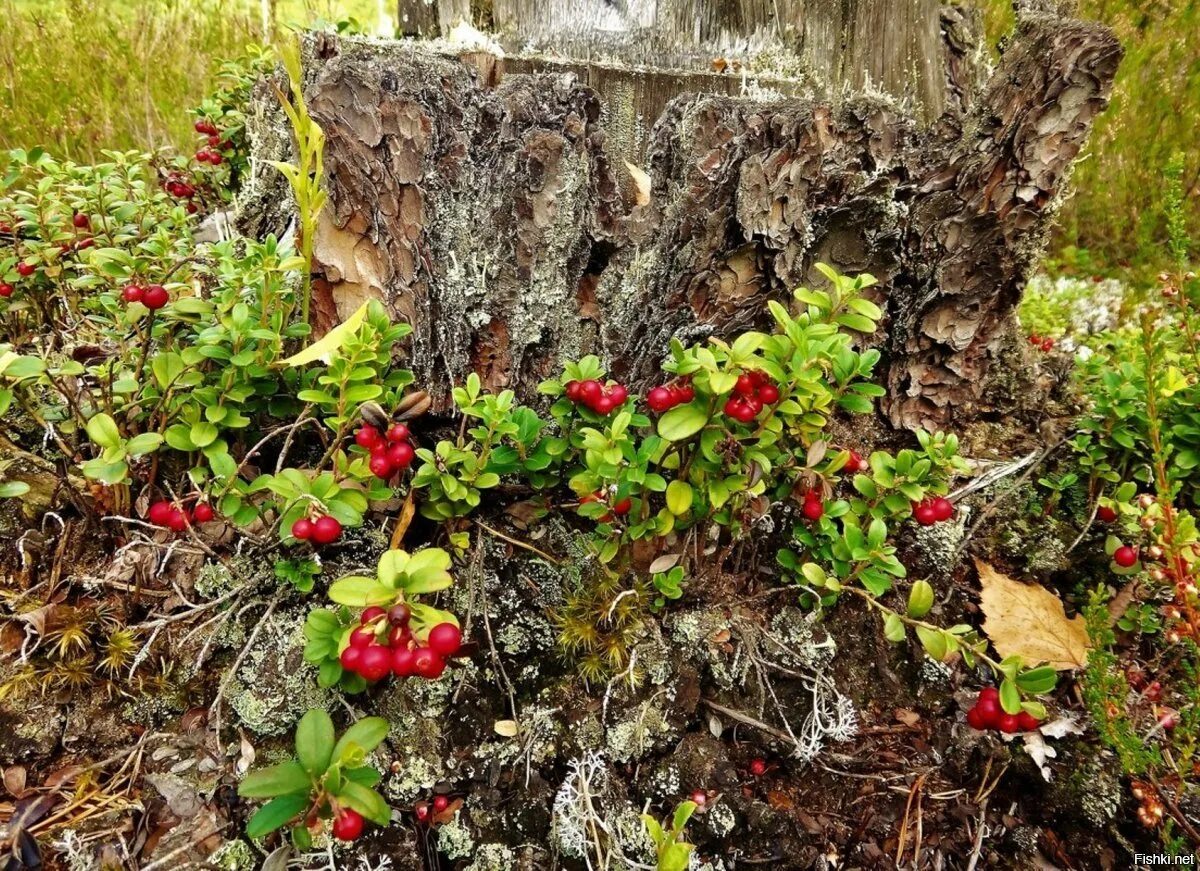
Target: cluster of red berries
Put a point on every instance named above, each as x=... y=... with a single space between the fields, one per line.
x=211 y=154
x=662 y=399
x=320 y=530
x=600 y=398
x=152 y=296
x=753 y=391
x=176 y=185
x=425 y=811
x=813 y=507
x=1044 y=342
x=933 y=509
x=391 y=452
x=383 y=644
x=987 y=714
x=178 y=517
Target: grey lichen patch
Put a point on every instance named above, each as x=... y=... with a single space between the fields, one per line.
x=720 y=819
x=233 y=856
x=591 y=805
x=274 y=685
x=454 y=838
x=493 y=857
x=536 y=741
x=664 y=782
x=640 y=729
x=939 y=543
x=795 y=640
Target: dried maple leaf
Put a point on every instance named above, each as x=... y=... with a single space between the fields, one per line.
x=1029 y=621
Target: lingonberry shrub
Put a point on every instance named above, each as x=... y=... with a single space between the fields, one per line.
x=394 y=633
x=329 y=783
x=672 y=852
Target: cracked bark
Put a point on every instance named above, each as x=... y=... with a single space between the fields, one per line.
x=495 y=212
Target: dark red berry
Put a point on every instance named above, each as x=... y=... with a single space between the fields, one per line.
x=924 y=514
x=370 y=614
x=347 y=825
x=445 y=639
x=1008 y=723
x=403 y=661
x=686 y=393
x=1035 y=339
x=989 y=711
x=975 y=719
x=590 y=391
x=768 y=394
x=132 y=293
x=399 y=614
x=1027 y=721
x=362 y=636
x=214 y=158
x=622 y=506
x=1106 y=514
x=155 y=297
x=440 y=803
x=326 y=530
x=81 y=221
x=399 y=636
x=618 y=394
x=813 y=509
x=1125 y=556
x=26 y=269
x=744 y=386
x=427 y=663
x=603 y=405
x=398 y=432
x=381 y=466
x=6 y=290
x=401 y=454
x=422 y=811
x=1047 y=344
x=203 y=512
x=178 y=521
x=572 y=390
x=758 y=766
x=990 y=693
x=376 y=662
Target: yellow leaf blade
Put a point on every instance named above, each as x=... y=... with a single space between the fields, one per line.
x=1029 y=621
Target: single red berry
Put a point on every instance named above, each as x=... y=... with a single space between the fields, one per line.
x=1027 y=721
x=26 y=269
x=422 y=811
x=1047 y=344
x=618 y=394
x=376 y=662
x=404 y=661
x=1125 y=556
x=1035 y=339
x=401 y=454
x=659 y=399
x=622 y=506
x=573 y=391
x=687 y=393
x=381 y=466
x=732 y=407
x=155 y=297
x=351 y=658
x=744 y=386
x=855 y=463
x=178 y=521
x=362 y=636
x=159 y=513
x=326 y=530
x=813 y=509
x=427 y=663
x=445 y=639
x=201 y=156
x=749 y=410
x=603 y=405
x=367 y=437
x=590 y=391
x=370 y=614
x=768 y=394
x=943 y=508
x=990 y=693
x=989 y=711
x=81 y=221
x=398 y=432
x=1168 y=719
x=976 y=720
x=1106 y=514
x=347 y=825
x=1008 y=723
x=192 y=208
x=214 y=140
x=203 y=512
x=399 y=614
x=758 y=766
x=440 y=803
x=399 y=636
x=214 y=158
x=133 y=293
x=6 y=290
x=699 y=797
x=924 y=514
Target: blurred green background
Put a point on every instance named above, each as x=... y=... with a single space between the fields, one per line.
x=79 y=77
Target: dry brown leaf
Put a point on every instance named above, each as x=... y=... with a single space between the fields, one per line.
x=1029 y=621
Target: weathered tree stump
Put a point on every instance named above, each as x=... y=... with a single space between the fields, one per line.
x=493 y=210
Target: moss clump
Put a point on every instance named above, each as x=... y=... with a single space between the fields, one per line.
x=233 y=856
x=493 y=857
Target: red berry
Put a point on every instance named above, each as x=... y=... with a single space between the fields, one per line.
x=622 y=507
x=367 y=437
x=989 y=711
x=572 y=390
x=401 y=454
x=768 y=394
x=201 y=156
x=178 y=520
x=1125 y=556
x=399 y=636
x=1008 y=723
x=440 y=803
x=699 y=797
x=214 y=140
x=422 y=812
x=351 y=658
x=943 y=508
x=155 y=297
x=924 y=514
x=1047 y=344
x=758 y=766
x=603 y=405
x=814 y=509
x=976 y=720
x=398 y=432
x=203 y=512
x=214 y=158
x=399 y=614
x=403 y=661
x=1106 y=514
x=732 y=406
x=206 y=127
x=326 y=530
x=747 y=412
x=6 y=290
x=347 y=825
x=445 y=639
x=376 y=662
x=159 y=513
x=686 y=393
x=132 y=293
x=370 y=615
x=990 y=693
x=659 y=399
x=26 y=269
x=590 y=391
x=1027 y=721
x=1035 y=339
x=427 y=663
x=81 y=221
x=362 y=636
x=744 y=386
x=618 y=394
x=381 y=466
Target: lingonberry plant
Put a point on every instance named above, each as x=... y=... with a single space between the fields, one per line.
x=394 y=634
x=329 y=780
x=672 y=852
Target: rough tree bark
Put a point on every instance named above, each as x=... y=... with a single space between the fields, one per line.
x=493 y=211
